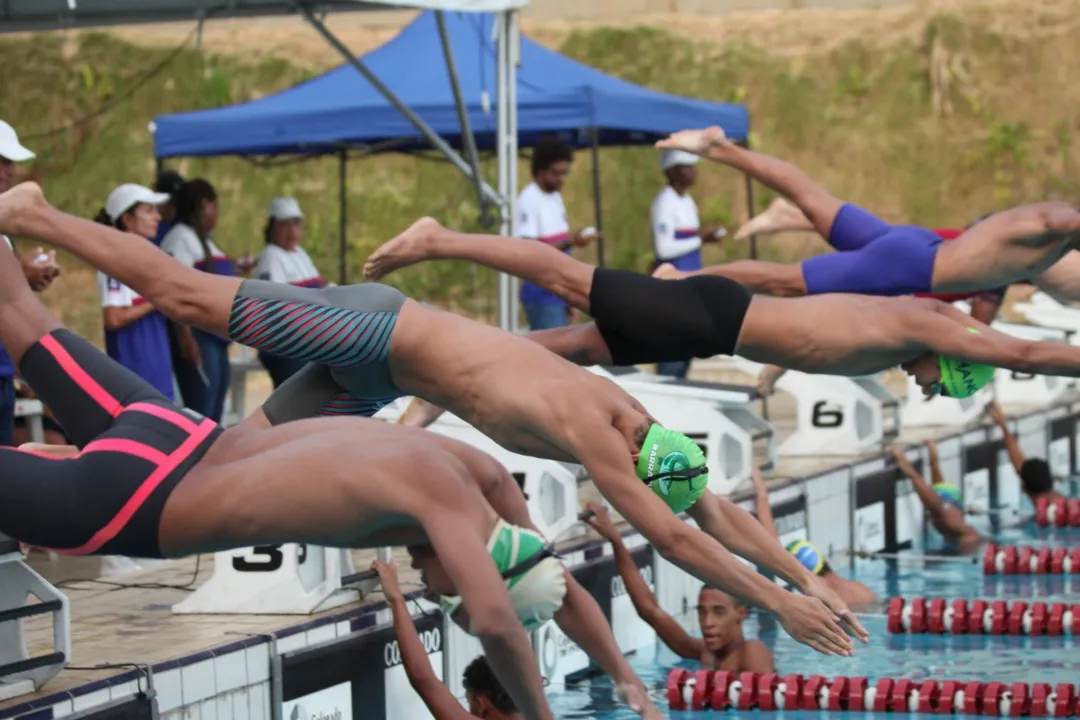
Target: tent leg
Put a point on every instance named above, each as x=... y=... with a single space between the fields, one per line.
x=467 y=138
x=750 y=200
x=506 y=151
x=597 y=204
x=424 y=129
x=343 y=221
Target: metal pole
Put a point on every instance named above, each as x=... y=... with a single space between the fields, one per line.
x=467 y=139
x=502 y=147
x=750 y=200
x=597 y=205
x=343 y=223
x=424 y=129
x=513 y=58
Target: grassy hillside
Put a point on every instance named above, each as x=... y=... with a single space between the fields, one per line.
x=936 y=128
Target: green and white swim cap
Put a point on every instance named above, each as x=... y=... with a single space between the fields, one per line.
x=536 y=593
x=674 y=467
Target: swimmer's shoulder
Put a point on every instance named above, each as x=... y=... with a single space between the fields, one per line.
x=757 y=657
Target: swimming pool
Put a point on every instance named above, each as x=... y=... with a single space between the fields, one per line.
x=960 y=657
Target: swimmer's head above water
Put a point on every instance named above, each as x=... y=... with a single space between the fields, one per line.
x=673 y=466
x=720 y=617
x=948 y=376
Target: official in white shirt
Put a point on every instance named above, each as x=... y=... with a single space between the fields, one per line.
x=676 y=230
x=284 y=261
x=541 y=216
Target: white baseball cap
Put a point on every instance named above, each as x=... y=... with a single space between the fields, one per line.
x=128 y=196
x=10 y=147
x=285 y=208
x=674 y=158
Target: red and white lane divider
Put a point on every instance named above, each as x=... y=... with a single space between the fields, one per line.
x=939 y=616
x=724 y=690
x=1059 y=512
x=1022 y=560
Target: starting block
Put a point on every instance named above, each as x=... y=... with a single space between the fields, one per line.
x=550 y=487
x=19 y=672
x=1043 y=310
x=1024 y=388
x=290 y=579
x=715 y=415
x=920 y=411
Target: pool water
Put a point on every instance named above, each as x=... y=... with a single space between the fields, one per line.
x=963 y=657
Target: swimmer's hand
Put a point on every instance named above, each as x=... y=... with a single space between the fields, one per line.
x=388 y=578
x=808 y=620
x=667 y=271
x=818 y=588
x=635 y=697
x=600 y=521
x=698 y=142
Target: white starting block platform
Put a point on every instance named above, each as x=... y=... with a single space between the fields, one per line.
x=718 y=416
x=21 y=672
x=835 y=415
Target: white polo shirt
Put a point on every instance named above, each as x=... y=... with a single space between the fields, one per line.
x=675 y=229
x=183 y=244
x=294 y=267
x=541 y=216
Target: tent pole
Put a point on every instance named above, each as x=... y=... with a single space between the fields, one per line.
x=430 y=135
x=343 y=222
x=502 y=151
x=467 y=138
x=513 y=52
x=597 y=204
x=750 y=200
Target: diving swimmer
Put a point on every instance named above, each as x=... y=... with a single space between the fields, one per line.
x=642 y=319
x=368 y=344
x=877 y=258
x=150 y=480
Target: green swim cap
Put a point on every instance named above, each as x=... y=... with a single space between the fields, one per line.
x=961 y=379
x=674 y=467
x=948 y=492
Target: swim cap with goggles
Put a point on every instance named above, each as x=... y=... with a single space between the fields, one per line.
x=807 y=555
x=948 y=492
x=533 y=575
x=674 y=467
x=960 y=378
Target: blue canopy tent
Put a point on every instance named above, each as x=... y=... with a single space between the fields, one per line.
x=381 y=101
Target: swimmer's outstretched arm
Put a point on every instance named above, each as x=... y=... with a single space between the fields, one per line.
x=944 y=330
x=439 y=701
x=603 y=455
x=648 y=609
x=933 y=503
x=1016 y=455
x=184 y=294
x=739 y=532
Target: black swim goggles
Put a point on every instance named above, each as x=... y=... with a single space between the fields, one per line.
x=688 y=474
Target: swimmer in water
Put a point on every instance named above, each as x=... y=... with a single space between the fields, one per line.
x=641 y=319
x=941 y=500
x=486 y=696
x=720 y=616
x=147 y=479
x=857 y=595
x=1035 y=477
x=877 y=258
x=368 y=344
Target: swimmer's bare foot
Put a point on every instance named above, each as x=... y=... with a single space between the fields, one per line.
x=667 y=271
x=698 y=142
x=780 y=216
x=17 y=207
x=408 y=248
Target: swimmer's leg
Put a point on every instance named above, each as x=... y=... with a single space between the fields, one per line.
x=184 y=294
x=530 y=260
x=759 y=276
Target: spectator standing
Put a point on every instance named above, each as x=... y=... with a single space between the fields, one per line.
x=541 y=216
x=40 y=269
x=284 y=261
x=676 y=230
x=136 y=335
x=168 y=183
x=200 y=359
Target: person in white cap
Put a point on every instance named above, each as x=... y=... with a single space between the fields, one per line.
x=676 y=230
x=284 y=260
x=39 y=267
x=136 y=335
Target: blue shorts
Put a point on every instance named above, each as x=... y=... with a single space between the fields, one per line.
x=874 y=258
